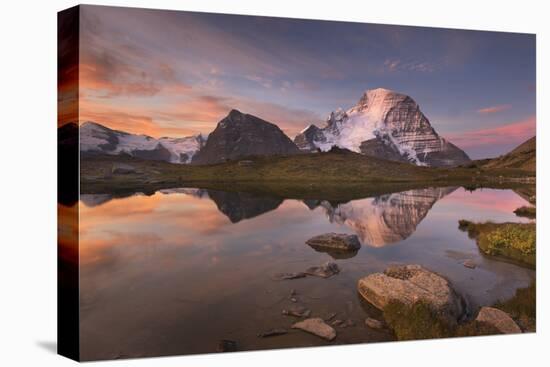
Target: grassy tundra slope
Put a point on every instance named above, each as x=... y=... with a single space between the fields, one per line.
x=523 y=157
x=336 y=174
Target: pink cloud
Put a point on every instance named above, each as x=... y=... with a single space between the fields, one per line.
x=513 y=133
x=494 y=109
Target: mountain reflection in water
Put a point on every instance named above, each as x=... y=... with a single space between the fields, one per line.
x=377 y=221
x=175 y=271
x=387 y=218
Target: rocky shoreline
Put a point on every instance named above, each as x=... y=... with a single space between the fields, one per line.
x=413 y=303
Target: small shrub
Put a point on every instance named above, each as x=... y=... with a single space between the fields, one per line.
x=526 y=211
x=511 y=235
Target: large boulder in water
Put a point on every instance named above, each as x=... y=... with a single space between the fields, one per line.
x=335 y=241
x=409 y=284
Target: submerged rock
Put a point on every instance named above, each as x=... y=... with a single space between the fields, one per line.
x=286 y=276
x=470 y=264
x=273 y=332
x=324 y=271
x=409 y=284
x=373 y=323
x=297 y=311
x=498 y=319
x=335 y=241
x=316 y=326
x=227 y=346
x=350 y=323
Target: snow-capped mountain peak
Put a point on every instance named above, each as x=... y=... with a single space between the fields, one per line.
x=387 y=124
x=96 y=138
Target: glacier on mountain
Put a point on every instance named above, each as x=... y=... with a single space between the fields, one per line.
x=96 y=138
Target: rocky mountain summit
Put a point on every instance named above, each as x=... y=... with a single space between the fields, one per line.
x=241 y=135
x=387 y=125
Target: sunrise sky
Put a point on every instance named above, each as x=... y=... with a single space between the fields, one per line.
x=168 y=73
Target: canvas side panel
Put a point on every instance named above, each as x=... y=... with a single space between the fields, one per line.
x=68 y=343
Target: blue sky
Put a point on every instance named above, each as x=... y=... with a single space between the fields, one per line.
x=178 y=73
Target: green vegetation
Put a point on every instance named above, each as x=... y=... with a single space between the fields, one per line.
x=332 y=175
x=527 y=212
x=522 y=307
x=515 y=241
x=417 y=321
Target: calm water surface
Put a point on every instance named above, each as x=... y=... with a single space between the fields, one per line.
x=175 y=272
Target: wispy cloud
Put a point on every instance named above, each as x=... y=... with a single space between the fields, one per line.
x=395 y=65
x=494 y=109
x=509 y=134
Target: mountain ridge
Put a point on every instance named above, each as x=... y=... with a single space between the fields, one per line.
x=524 y=157
x=97 y=138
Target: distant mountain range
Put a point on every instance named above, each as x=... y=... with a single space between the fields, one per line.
x=96 y=138
x=383 y=124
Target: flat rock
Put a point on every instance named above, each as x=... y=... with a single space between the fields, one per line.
x=499 y=319
x=326 y=270
x=316 y=326
x=335 y=241
x=409 y=284
x=470 y=264
x=373 y=323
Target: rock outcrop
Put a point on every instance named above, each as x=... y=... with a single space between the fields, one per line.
x=385 y=124
x=409 y=284
x=241 y=135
